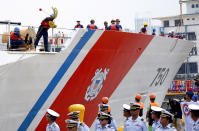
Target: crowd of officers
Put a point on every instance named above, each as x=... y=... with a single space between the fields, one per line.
x=158 y=119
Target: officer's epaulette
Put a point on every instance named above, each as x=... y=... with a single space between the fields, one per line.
x=157 y=126
x=110 y=126
x=142 y=119
x=82 y=124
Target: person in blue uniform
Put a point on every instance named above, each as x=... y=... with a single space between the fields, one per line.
x=43 y=31
x=105 y=120
x=105 y=108
x=78 y=25
x=156 y=112
x=75 y=116
x=194 y=109
x=15 y=39
x=51 y=116
x=165 y=119
x=136 y=123
x=92 y=25
x=72 y=125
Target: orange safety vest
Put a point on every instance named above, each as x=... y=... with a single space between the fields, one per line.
x=141 y=104
x=154 y=104
x=13 y=36
x=113 y=27
x=92 y=26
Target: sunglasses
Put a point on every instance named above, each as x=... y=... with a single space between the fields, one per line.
x=101 y=119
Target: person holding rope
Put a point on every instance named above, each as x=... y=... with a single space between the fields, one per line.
x=43 y=29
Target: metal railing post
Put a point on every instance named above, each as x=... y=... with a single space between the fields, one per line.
x=8 y=35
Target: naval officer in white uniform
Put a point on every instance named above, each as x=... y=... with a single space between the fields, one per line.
x=50 y=118
x=156 y=112
x=165 y=119
x=136 y=123
x=194 y=109
x=75 y=116
x=72 y=125
x=105 y=120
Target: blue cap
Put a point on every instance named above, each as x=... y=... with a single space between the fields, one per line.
x=195 y=97
x=189 y=93
x=16 y=29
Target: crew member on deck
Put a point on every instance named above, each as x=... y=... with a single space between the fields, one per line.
x=138 y=97
x=92 y=25
x=79 y=25
x=113 y=26
x=144 y=29
x=43 y=30
x=15 y=39
x=154 y=32
x=51 y=116
x=105 y=25
x=118 y=23
x=75 y=116
x=180 y=35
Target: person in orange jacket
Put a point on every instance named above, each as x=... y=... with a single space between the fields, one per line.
x=138 y=97
x=149 y=111
x=92 y=25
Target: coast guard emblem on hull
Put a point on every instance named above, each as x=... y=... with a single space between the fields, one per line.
x=96 y=85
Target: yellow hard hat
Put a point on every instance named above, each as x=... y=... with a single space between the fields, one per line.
x=145 y=23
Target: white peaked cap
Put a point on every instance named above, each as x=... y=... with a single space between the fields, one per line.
x=157 y=109
x=53 y=113
x=125 y=106
x=193 y=107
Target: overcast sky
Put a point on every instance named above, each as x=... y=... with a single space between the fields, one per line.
x=69 y=11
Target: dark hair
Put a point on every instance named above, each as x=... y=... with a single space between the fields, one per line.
x=137 y=99
x=152 y=99
x=195 y=113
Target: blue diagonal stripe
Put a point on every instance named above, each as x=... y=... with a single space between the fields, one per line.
x=53 y=83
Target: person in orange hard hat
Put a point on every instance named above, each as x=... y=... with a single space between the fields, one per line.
x=149 y=111
x=105 y=100
x=138 y=98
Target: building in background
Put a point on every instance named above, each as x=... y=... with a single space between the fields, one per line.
x=190 y=30
x=139 y=23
